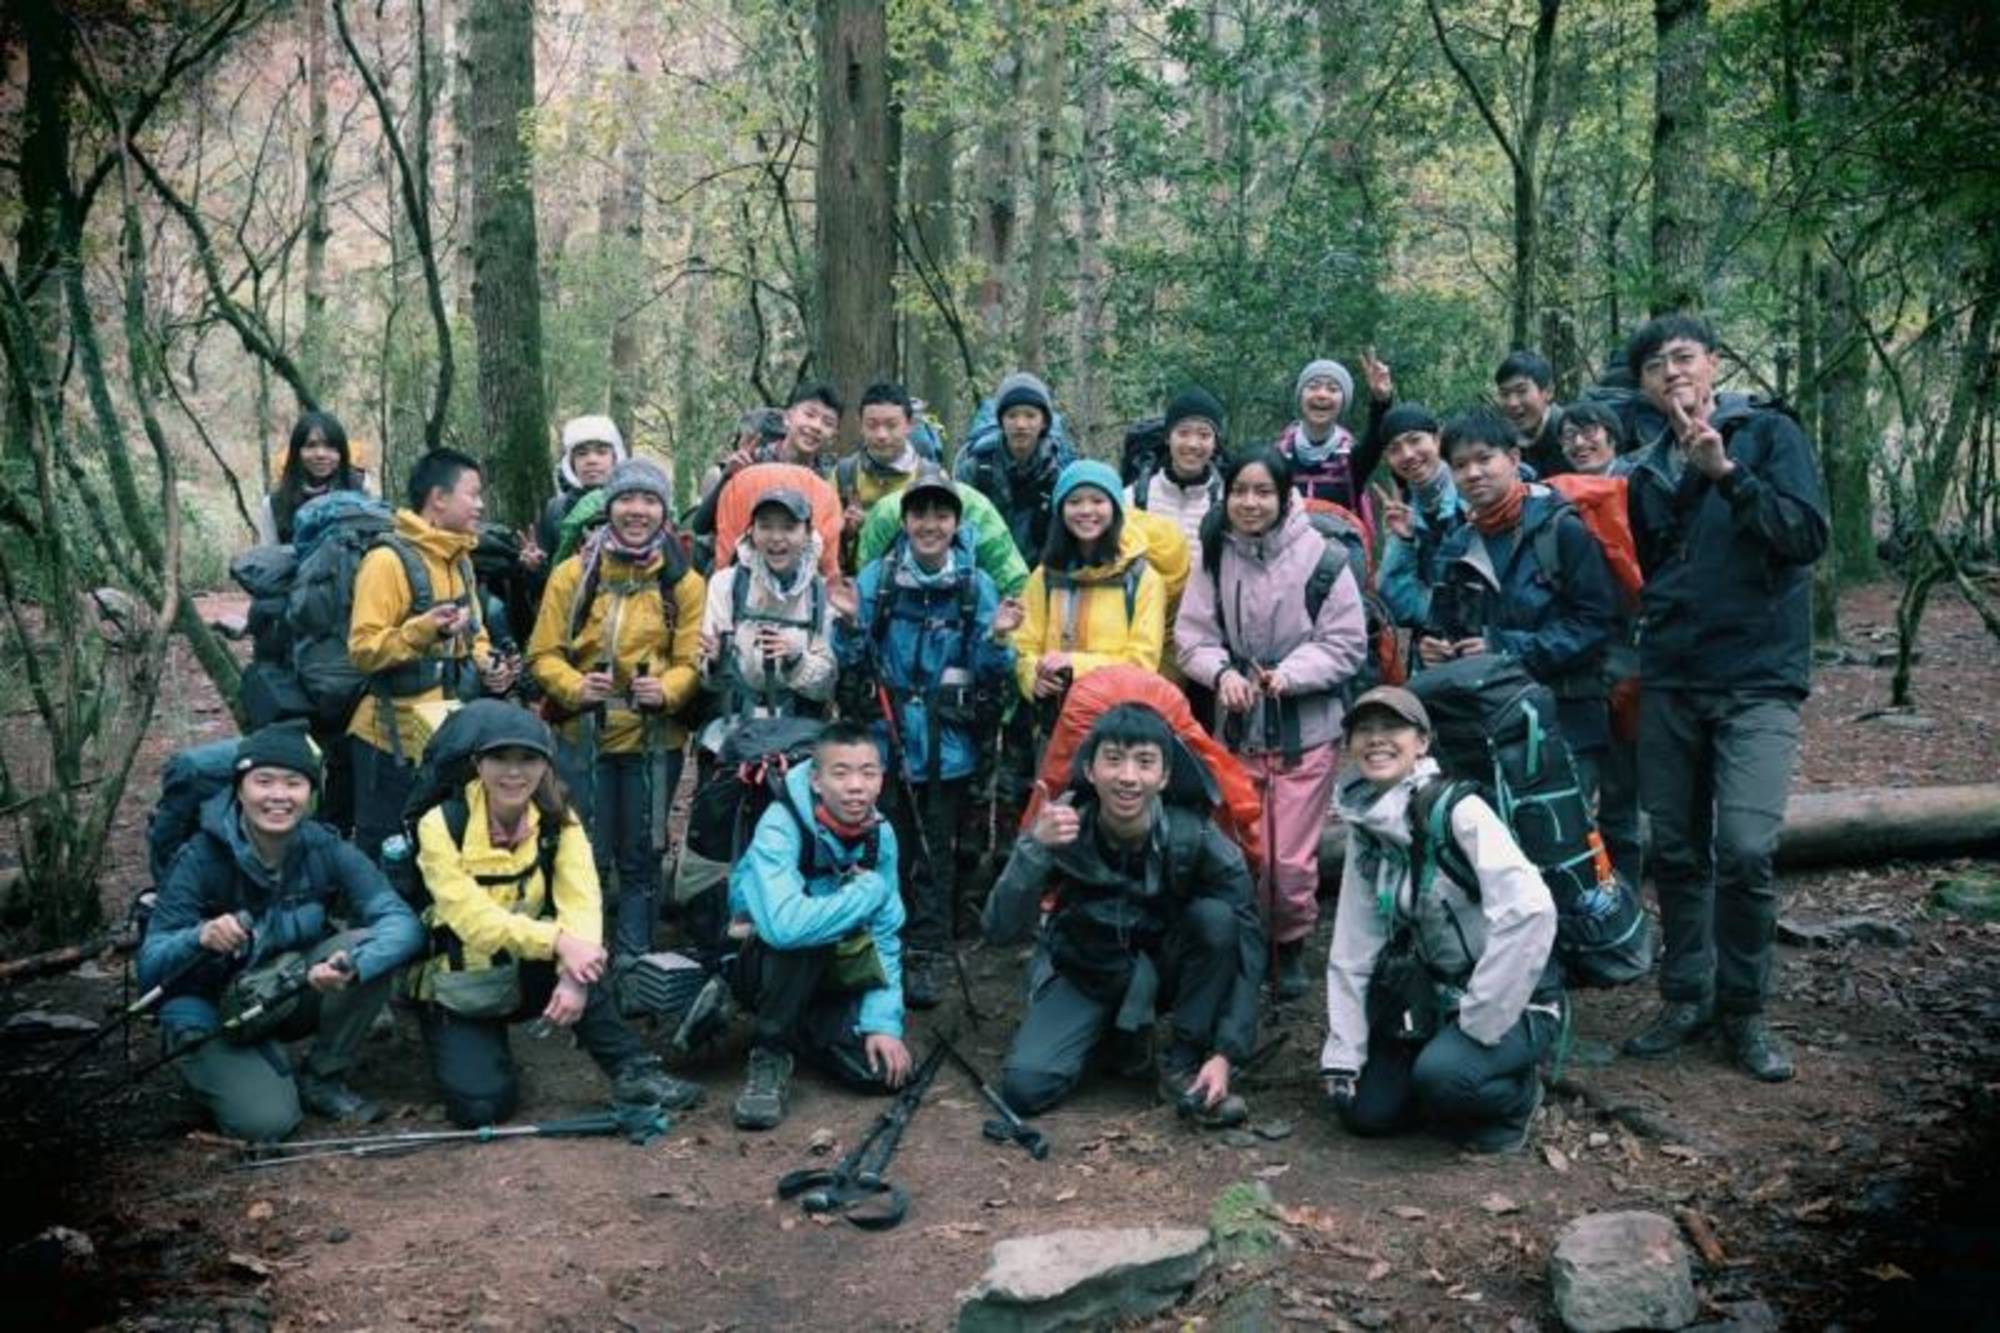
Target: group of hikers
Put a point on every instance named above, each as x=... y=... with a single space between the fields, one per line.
x=480 y=823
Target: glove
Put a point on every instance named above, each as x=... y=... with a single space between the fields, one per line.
x=1339 y=1088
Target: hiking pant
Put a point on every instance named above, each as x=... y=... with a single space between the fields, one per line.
x=474 y=1064
x=1063 y=1025
x=793 y=1009
x=1295 y=799
x=1618 y=809
x=381 y=785
x=619 y=814
x=248 y=1088
x=1478 y=1096
x=929 y=863
x=1714 y=769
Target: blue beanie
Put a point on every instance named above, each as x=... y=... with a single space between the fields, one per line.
x=1088 y=472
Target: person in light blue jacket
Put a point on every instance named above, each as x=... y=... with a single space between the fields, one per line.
x=920 y=660
x=1423 y=510
x=814 y=901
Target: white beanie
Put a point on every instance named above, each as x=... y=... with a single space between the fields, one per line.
x=595 y=429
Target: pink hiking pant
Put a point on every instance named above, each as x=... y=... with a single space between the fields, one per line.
x=1295 y=798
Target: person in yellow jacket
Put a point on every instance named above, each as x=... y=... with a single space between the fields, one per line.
x=517 y=929
x=416 y=645
x=1095 y=599
x=617 y=648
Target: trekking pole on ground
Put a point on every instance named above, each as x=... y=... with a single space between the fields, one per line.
x=1007 y=1127
x=856 y=1188
x=640 y=1124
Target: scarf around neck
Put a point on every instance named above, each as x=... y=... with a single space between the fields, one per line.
x=1503 y=515
x=1312 y=454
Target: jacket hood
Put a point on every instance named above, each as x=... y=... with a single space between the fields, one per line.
x=1132 y=545
x=222 y=820
x=1292 y=527
x=445 y=547
x=587 y=430
x=1383 y=813
x=798 y=785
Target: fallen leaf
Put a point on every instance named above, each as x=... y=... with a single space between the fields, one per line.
x=1272 y=1172
x=1309 y=1218
x=1816 y=1208
x=956 y=1229
x=1886 y=1272
x=998 y=1203
x=821 y=1143
x=1499 y=1205
x=1680 y=1152
x=1378 y=1270
x=1557 y=1159
x=1064 y=1196
x=1408 y=1212
x=249 y=1265
x=260 y=1211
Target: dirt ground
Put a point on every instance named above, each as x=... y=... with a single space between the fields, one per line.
x=1859 y=1195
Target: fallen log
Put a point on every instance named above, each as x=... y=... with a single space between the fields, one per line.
x=69 y=956
x=1846 y=826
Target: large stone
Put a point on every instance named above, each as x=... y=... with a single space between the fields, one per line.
x=1615 y=1271
x=1079 y=1279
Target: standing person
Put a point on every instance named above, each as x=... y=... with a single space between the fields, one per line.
x=812 y=426
x=1728 y=515
x=261 y=881
x=1188 y=480
x=517 y=930
x=1094 y=599
x=1017 y=466
x=922 y=640
x=1152 y=908
x=317 y=462
x=591 y=447
x=417 y=645
x=1326 y=462
x=814 y=901
x=1523 y=575
x=1524 y=386
x=1441 y=996
x=882 y=466
x=1276 y=665
x=618 y=638
x=1416 y=518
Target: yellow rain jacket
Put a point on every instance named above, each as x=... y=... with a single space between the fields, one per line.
x=1084 y=615
x=625 y=626
x=511 y=916
x=1168 y=552
x=385 y=638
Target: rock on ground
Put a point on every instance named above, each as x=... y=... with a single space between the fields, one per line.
x=1077 y=1279
x=1622 y=1270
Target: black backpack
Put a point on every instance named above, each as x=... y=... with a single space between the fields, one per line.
x=186 y=783
x=267 y=574
x=1144 y=448
x=1494 y=732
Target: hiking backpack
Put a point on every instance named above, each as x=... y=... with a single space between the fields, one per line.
x=1601 y=503
x=1493 y=730
x=190 y=777
x=1144 y=450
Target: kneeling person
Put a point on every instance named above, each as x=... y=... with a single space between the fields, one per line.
x=814 y=901
x=1441 y=997
x=251 y=894
x=1153 y=903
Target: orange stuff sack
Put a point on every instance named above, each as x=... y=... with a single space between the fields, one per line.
x=741 y=493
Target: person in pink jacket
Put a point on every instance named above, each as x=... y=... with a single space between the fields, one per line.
x=1277 y=645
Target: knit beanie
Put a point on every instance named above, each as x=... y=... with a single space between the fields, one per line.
x=1194 y=403
x=638 y=476
x=1022 y=389
x=1329 y=370
x=1406 y=417
x=283 y=745
x=1088 y=472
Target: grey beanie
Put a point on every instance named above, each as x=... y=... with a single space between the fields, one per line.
x=636 y=475
x=1327 y=370
x=1022 y=389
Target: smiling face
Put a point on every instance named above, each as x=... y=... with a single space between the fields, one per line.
x=1682 y=371
x=931 y=524
x=778 y=536
x=1385 y=747
x=1087 y=513
x=592 y=462
x=809 y=424
x=1320 y=403
x=1587 y=447
x=1524 y=403
x=1022 y=426
x=885 y=430
x=510 y=775
x=847 y=779
x=1190 y=446
x=1126 y=778
x=274 y=800
x=460 y=508
x=1253 y=503
x=1483 y=473
x=318 y=459
x=1413 y=456
x=636 y=516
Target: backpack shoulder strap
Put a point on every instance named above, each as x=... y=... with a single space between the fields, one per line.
x=422 y=595
x=586 y=589
x=847 y=478
x=1433 y=846
x=1135 y=574
x=1547 y=546
x=457 y=815
x=1326 y=573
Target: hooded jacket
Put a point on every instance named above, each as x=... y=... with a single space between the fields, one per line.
x=383 y=634
x=1409 y=565
x=218 y=871
x=1495 y=950
x=833 y=901
x=808 y=667
x=1082 y=612
x=1186 y=857
x=1260 y=618
x=1727 y=601
x=519 y=916
x=626 y=625
x=993 y=543
x=923 y=636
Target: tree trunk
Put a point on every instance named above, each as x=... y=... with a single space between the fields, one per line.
x=1846 y=437
x=1042 y=227
x=506 y=284
x=319 y=170
x=458 y=61
x=622 y=226
x=994 y=172
x=855 y=208
x=44 y=184
x=1527 y=172
x=932 y=239
x=1559 y=340
x=1092 y=162
x=1680 y=155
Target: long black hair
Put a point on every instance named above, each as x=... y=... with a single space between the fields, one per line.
x=1273 y=461
x=1060 y=550
x=290 y=491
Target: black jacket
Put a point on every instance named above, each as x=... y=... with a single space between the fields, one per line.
x=1727 y=598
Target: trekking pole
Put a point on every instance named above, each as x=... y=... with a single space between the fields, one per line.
x=656 y=763
x=640 y=1124
x=1007 y=1126
x=856 y=1188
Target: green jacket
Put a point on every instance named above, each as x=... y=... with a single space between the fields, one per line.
x=993 y=549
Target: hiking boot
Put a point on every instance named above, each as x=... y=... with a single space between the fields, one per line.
x=923 y=979
x=1228 y=1113
x=642 y=1082
x=761 y=1103
x=1756 y=1049
x=1678 y=1023
x=1508 y=1139
x=333 y=1099
x=1290 y=983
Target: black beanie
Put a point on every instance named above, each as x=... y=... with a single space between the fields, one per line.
x=1195 y=402
x=281 y=745
x=1406 y=417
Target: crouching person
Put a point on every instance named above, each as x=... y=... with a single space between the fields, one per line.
x=517 y=929
x=1152 y=907
x=249 y=897
x=814 y=902
x=1441 y=992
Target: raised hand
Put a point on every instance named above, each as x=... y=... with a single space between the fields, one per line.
x=1057 y=823
x=1008 y=617
x=1381 y=384
x=1397 y=516
x=1706 y=452
x=844 y=596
